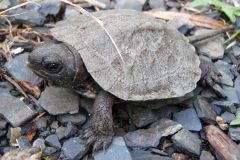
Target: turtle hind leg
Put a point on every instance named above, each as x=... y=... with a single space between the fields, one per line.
x=101 y=132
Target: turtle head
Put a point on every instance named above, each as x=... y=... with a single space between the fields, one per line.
x=59 y=63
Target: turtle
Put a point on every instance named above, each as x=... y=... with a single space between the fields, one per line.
x=143 y=59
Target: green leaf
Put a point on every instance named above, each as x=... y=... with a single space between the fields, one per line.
x=236 y=121
x=232 y=38
x=230 y=11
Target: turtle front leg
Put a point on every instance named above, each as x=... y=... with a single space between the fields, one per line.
x=101 y=133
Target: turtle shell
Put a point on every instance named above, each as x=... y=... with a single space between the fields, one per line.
x=157 y=61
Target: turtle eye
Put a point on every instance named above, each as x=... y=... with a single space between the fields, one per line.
x=52 y=67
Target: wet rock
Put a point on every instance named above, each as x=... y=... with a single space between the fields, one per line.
x=39 y=143
x=187 y=142
x=188 y=119
x=146 y=155
x=117 y=150
x=59 y=101
x=19 y=70
x=234 y=133
x=4 y=4
x=205 y=155
x=60 y=132
x=53 y=141
x=77 y=119
x=70 y=130
x=141 y=116
x=166 y=127
x=126 y=4
x=74 y=148
x=158 y=4
x=14 y=110
x=228 y=117
x=212 y=47
x=224 y=69
x=226 y=106
x=50 y=7
x=25 y=16
x=231 y=94
x=26 y=154
x=204 y=110
x=23 y=142
x=143 y=138
x=49 y=151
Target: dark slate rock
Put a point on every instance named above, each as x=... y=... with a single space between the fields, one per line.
x=205 y=155
x=6 y=86
x=59 y=101
x=117 y=150
x=60 y=131
x=204 y=110
x=166 y=127
x=189 y=119
x=146 y=155
x=3 y=123
x=224 y=69
x=187 y=142
x=228 y=117
x=217 y=109
x=19 y=70
x=25 y=16
x=160 y=4
x=4 y=4
x=231 y=94
x=50 y=7
x=234 y=133
x=39 y=143
x=219 y=91
x=143 y=138
x=70 y=130
x=53 y=141
x=226 y=106
x=2 y=132
x=74 y=148
x=41 y=123
x=166 y=111
x=14 y=110
x=77 y=119
x=49 y=151
x=23 y=142
x=141 y=116
x=237 y=86
x=126 y=4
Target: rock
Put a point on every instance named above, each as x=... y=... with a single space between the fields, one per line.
x=74 y=148
x=59 y=101
x=234 y=133
x=60 y=131
x=146 y=155
x=50 y=7
x=188 y=119
x=126 y=4
x=226 y=106
x=219 y=91
x=14 y=110
x=49 y=151
x=3 y=123
x=236 y=50
x=70 y=130
x=41 y=123
x=228 y=117
x=107 y=3
x=77 y=119
x=204 y=110
x=166 y=111
x=143 y=138
x=29 y=17
x=231 y=94
x=2 y=133
x=141 y=116
x=166 y=127
x=54 y=125
x=70 y=11
x=26 y=154
x=237 y=86
x=39 y=143
x=53 y=141
x=212 y=47
x=23 y=142
x=4 y=4
x=19 y=70
x=187 y=142
x=224 y=69
x=158 y=4
x=6 y=86
x=205 y=155
x=117 y=150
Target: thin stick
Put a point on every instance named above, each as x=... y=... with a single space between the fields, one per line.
x=101 y=23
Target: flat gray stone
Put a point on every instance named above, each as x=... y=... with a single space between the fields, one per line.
x=50 y=7
x=224 y=68
x=146 y=155
x=53 y=141
x=158 y=4
x=234 y=133
x=188 y=119
x=116 y=151
x=4 y=4
x=14 y=110
x=58 y=100
x=70 y=130
x=187 y=142
x=231 y=93
x=226 y=106
x=77 y=119
x=129 y=4
x=74 y=148
x=18 y=68
x=205 y=155
x=228 y=117
x=39 y=143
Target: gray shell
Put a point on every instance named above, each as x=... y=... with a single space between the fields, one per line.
x=159 y=62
